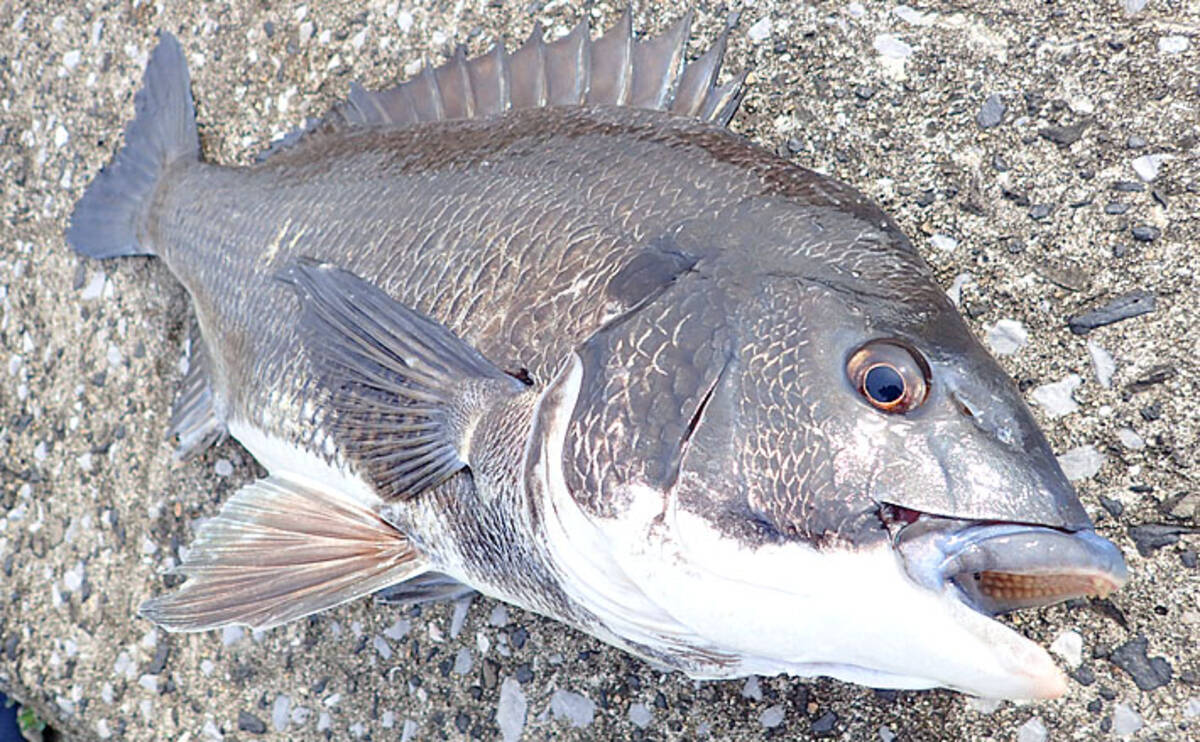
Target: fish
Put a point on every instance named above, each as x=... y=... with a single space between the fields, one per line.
x=538 y=324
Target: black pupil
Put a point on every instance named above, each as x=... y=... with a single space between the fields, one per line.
x=884 y=384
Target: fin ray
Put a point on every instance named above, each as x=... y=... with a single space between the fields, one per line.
x=194 y=424
x=279 y=551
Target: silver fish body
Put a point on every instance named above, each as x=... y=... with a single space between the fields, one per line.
x=552 y=332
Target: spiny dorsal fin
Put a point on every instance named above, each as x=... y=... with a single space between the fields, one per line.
x=613 y=69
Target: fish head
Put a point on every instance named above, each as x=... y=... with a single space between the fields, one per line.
x=852 y=486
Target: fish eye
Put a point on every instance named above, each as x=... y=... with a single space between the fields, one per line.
x=890 y=375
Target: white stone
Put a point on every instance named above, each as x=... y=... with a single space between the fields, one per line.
x=61 y=136
x=892 y=47
x=95 y=287
x=409 y=731
x=760 y=31
x=499 y=616
x=1130 y=439
x=641 y=715
x=510 y=713
x=223 y=467
x=856 y=10
x=1133 y=7
x=1081 y=463
x=405 y=21
x=1173 y=44
x=961 y=281
x=85 y=462
x=1055 y=398
x=398 y=630
x=306 y=31
x=1147 y=166
x=572 y=707
x=1033 y=730
x=281 y=712
x=943 y=242
x=382 y=647
x=463 y=662
x=459 y=618
x=207 y=667
x=1006 y=337
x=983 y=706
x=1103 y=363
x=772 y=717
x=911 y=16
x=1069 y=646
x=232 y=634
x=1126 y=721
x=886 y=735
x=1192 y=709
x=149 y=682
x=752 y=689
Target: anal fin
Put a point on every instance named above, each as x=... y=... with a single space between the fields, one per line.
x=194 y=424
x=279 y=551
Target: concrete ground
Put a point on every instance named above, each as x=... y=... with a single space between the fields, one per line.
x=1043 y=156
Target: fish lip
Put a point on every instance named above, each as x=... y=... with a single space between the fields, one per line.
x=996 y=567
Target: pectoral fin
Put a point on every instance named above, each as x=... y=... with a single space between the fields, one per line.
x=279 y=551
x=405 y=393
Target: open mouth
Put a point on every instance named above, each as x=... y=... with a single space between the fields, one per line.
x=1002 y=567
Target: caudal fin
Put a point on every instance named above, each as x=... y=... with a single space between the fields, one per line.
x=107 y=219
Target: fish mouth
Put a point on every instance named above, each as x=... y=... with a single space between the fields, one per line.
x=997 y=568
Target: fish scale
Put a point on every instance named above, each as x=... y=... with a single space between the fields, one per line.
x=537 y=324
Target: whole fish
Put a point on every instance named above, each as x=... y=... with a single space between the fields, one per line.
x=538 y=324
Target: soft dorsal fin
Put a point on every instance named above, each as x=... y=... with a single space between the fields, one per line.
x=613 y=69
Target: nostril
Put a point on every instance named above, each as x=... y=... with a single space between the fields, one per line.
x=963 y=407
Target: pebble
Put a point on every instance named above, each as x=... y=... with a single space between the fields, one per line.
x=991 y=113
x=760 y=31
x=1150 y=537
x=1148 y=672
x=281 y=712
x=772 y=717
x=943 y=242
x=1102 y=363
x=886 y=735
x=1133 y=7
x=1126 y=721
x=1116 y=208
x=823 y=725
x=499 y=616
x=459 y=618
x=913 y=16
x=1135 y=142
x=463 y=662
x=1040 y=211
x=1056 y=397
x=1081 y=463
x=752 y=689
x=641 y=715
x=232 y=634
x=892 y=47
x=398 y=630
x=1069 y=646
x=1130 y=439
x=1033 y=730
x=1063 y=136
x=1145 y=233
x=248 y=722
x=94 y=287
x=1173 y=44
x=223 y=468
x=382 y=647
x=408 y=731
x=983 y=706
x=572 y=707
x=1192 y=709
x=1126 y=306
x=1006 y=337
x=956 y=287
x=1146 y=167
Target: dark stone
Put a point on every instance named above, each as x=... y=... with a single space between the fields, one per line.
x=1153 y=377
x=1128 y=186
x=1107 y=693
x=926 y=199
x=1116 y=207
x=823 y=725
x=1084 y=675
x=1114 y=507
x=1095 y=705
x=1020 y=199
x=1150 y=537
x=1133 y=304
x=991 y=113
x=1159 y=197
x=1106 y=724
x=1188 y=558
x=248 y=722
x=160 y=659
x=1146 y=233
x=1148 y=672
x=1120 y=250
x=864 y=92
x=1063 y=136
x=1000 y=164
x=319 y=687
x=1151 y=412
x=269 y=29
x=462 y=722
x=490 y=673
x=518 y=637
x=524 y=673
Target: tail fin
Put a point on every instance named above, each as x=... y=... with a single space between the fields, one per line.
x=106 y=220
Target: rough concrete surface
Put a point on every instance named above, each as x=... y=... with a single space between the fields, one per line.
x=1007 y=139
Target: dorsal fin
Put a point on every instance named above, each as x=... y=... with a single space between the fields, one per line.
x=613 y=69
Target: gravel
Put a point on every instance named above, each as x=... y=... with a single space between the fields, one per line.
x=913 y=143
x=991 y=113
x=1147 y=672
